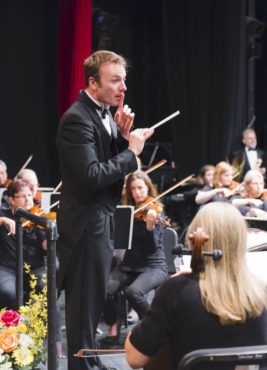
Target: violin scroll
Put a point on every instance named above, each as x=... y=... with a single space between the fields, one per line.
x=198 y=240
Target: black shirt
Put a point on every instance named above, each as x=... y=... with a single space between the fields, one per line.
x=147 y=250
x=177 y=316
x=33 y=252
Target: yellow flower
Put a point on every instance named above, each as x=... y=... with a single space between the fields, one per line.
x=22 y=328
x=23 y=356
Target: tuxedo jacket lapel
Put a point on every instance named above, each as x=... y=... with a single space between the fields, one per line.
x=107 y=139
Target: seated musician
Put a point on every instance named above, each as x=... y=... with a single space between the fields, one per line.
x=30 y=176
x=204 y=178
x=223 y=186
x=219 y=304
x=252 y=201
x=143 y=267
x=20 y=194
x=34 y=244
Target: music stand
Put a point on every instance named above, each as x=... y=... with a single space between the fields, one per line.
x=258 y=223
x=123 y=221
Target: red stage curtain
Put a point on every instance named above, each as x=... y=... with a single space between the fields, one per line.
x=75 y=45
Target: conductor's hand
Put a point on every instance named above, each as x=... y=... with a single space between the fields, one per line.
x=124 y=119
x=137 y=139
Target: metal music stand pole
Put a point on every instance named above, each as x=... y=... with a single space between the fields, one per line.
x=50 y=227
x=19 y=263
x=52 y=236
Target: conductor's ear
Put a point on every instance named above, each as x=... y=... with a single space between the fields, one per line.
x=93 y=83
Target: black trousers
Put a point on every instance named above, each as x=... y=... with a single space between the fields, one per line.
x=8 y=285
x=85 y=288
x=136 y=286
x=8 y=291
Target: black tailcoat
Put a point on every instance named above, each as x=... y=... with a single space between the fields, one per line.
x=93 y=169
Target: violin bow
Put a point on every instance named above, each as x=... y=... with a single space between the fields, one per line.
x=57 y=187
x=24 y=166
x=103 y=352
x=155 y=166
x=164 y=193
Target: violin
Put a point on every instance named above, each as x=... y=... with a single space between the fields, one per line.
x=37 y=210
x=233 y=185
x=153 y=200
x=7 y=183
x=157 y=207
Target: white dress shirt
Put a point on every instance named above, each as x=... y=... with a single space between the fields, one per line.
x=252 y=157
x=105 y=120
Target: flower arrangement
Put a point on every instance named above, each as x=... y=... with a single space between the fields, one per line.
x=22 y=332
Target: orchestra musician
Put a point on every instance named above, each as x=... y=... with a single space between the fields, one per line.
x=223 y=186
x=205 y=176
x=30 y=175
x=95 y=153
x=252 y=201
x=143 y=267
x=249 y=157
x=20 y=194
x=219 y=304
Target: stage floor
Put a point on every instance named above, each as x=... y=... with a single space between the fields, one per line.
x=116 y=361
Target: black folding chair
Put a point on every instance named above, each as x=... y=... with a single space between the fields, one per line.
x=169 y=241
x=226 y=358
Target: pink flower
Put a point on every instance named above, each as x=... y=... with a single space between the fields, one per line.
x=10 y=318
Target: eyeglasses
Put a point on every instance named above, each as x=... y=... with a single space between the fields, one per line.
x=24 y=196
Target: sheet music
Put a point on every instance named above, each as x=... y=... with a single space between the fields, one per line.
x=257 y=262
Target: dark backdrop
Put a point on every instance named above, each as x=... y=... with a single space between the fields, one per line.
x=28 y=86
x=185 y=54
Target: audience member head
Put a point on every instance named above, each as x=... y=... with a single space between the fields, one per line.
x=249 y=138
x=223 y=175
x=3 y=173
x=20 y=194
x=228 y=288
x=253 y=184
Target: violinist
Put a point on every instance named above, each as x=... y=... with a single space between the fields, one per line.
x=30 y=176
x=20 y=194
x=205 y=176
x=223 y=186
x=221 y=304
x=252 y=201
x=143 y=267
